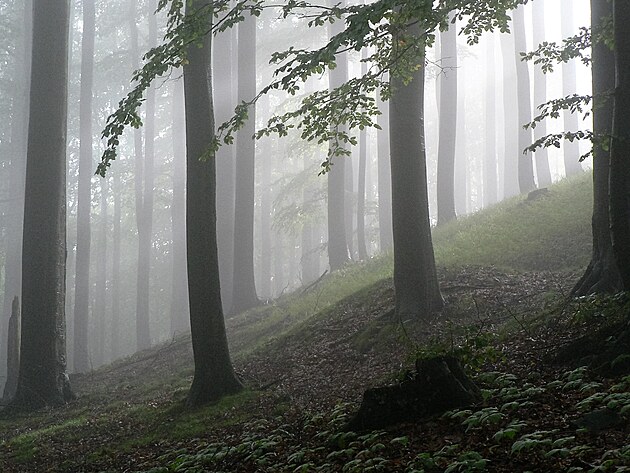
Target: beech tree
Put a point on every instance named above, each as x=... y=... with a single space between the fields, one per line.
x=42 y=377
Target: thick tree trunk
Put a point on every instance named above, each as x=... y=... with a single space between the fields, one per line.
x=526 y=181
x=42 y=378
x=415 y=277
x=602 y=274
x=179 y=283
x=447 y=125
x=571 y=149
x=490 y=179
x=214 y=376
x=145 y=218
x=84 y=194
x=620 y=145
x=540 y=95
x=244 y=296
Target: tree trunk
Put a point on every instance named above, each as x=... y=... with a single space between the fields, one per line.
x=337 y=237
x=15 y=220
x=244 y=296
x=490 y=177
x=13 y=351
x=511 y=152
x=447 y=126
x=214 y=376
x=84 y=194
x=602 y=274
x=42 y=377
x=620 y=144
x=525 y=165
x=100 y=305
x=415 y=277
x=266 y=205
x=224 y=85
x=145 y=218
x=384 y=179
x=114 y=343
x=540 y=95
x=363 y=158
x=179 y=284
x=571 y=149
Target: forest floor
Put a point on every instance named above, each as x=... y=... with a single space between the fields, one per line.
x=305 y=376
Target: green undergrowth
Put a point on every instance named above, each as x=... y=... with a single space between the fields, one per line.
x=551 y=232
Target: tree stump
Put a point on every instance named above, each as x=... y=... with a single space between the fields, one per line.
x=440 y=384
x=13 y=350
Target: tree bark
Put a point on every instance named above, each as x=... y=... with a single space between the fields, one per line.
x=13 y=351
x=42 y=377
x=620 y=144
x=214 y=376
x=447 y=126
x=571 y=149
x=244 y=296
x=415 y=276
x=84 y=193
x=601 y=275
x=540 y=95
x=526 y=181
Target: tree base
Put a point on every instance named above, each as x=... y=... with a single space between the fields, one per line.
x=440 y=384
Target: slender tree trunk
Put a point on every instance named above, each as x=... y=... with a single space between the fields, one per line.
x=84 y=194
x=525 y=165
x=348 y=204
x=540 y=95
x=179 y=283
x=511 y=152
x=214 y=376
x=490 y=178
x=415 y=277
x=115 y=328
x=384 y=179
x=244 y=296
x=145 y=219
x=363 y=159
x=620 y=145
x=569 y=86
x=266 y=205
x=42 y=377
x=337 y=237
x=462 y=166
x=15 y=220
x=100 y=306
x=602 y=274
x=447 y=131
x=224 y=79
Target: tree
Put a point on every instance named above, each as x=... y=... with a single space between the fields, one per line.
x=42 y=377
x=511 y=152
x=448 y=131
x=540 y=95
x=384 y=178
x=86 y=167
x=602 y=274
x=244 y=290
x=490 y=181
x=214 y=376
x=525 y=165
x=620 y=144
x=363 y=155
x=415 y=277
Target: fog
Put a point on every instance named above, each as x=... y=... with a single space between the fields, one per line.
x=132 y=289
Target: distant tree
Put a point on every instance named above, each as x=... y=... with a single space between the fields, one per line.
x=42 y=377
x=84 y=193
x=447 y=125
x=114 y=344
x=569 y=77
x=490 y=176
x=214 y=376
x=525 y=165
x=415 y=276
x=384 y=178
x=511 y=152
x=244 y=290
x=361 y=188
x=100 y=299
